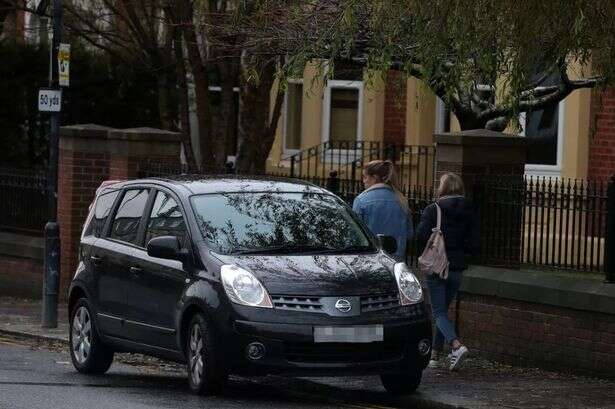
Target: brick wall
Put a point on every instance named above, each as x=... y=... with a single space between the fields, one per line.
x=21 y=277
x=602 y=142
x=395 y=109
x=538 y=335
x=79 y=175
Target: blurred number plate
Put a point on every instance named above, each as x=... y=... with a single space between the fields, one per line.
x=366 y=333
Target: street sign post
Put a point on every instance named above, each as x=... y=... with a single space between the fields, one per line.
x=52 y=99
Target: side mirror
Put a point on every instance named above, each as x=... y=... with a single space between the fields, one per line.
x=387 y=243
x=167 y=247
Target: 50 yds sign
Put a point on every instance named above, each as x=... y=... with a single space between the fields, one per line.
x=49 y=100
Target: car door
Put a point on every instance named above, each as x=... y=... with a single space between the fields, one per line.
x=116 y=252
x=91 y=255
x=157 y=290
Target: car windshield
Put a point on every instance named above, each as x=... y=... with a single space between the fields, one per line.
x=278 y=223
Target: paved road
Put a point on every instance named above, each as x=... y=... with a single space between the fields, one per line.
x=32 y=379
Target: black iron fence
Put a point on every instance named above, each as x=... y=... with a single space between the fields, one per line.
x=530 y=222
x=542 y=222
x=23 y=201
x=415 y=164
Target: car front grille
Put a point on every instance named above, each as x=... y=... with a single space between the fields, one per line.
x=297 y=303
x=369 y=303
x=379 y=302
x=343 y=352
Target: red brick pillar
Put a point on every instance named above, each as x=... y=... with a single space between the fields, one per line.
x=90 y=154
x=478 y=153
x=492 y=165
x=130 y=148
x=395 y=109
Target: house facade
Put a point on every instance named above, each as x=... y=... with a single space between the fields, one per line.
x=575 y=139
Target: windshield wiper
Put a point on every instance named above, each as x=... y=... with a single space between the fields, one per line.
x=283 y=249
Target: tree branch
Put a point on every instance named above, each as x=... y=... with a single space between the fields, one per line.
x=548 y=96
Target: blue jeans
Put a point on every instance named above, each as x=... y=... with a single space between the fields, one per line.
x=441 y=294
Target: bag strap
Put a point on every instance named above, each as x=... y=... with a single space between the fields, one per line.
x=438 y=216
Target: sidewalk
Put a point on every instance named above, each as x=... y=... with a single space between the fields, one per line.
x=22 y=318
x=480 y=384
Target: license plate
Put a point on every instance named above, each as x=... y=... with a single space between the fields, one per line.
x=359 y=334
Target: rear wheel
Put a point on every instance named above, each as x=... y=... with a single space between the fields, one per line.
x=206 y=374
x=88 y=353
x=404 y=383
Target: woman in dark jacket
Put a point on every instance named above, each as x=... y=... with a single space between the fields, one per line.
x=461 y=239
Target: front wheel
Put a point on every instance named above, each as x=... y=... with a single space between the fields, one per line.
x=88 y=353
x=206 y=373
x=404 y=383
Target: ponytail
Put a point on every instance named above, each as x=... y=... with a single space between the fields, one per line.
x=384 y=172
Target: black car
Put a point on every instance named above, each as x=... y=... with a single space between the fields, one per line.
x=243 y=276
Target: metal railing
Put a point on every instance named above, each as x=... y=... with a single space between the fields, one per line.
x=415 y=164
x=23 y=201
x=542 y=222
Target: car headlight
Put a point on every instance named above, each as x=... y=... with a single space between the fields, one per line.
x=410 y=291
x=243 y=288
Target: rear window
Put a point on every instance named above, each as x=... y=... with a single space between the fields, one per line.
x=102 y=209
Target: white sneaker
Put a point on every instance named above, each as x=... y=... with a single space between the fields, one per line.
x=457 y=356
x=434 y=360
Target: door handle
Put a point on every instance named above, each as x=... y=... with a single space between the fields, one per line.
x=96 y=260
x=135 y=271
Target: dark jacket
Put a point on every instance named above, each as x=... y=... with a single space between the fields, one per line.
x=459 y=226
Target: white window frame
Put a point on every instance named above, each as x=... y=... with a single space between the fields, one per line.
x=340 y=155
x=217 y=88
x=549 y=170
x=290 y=152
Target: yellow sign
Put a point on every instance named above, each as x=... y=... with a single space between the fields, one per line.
x=64 y=65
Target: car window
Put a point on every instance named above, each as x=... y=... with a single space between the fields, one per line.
x=102 y=208
x=126 y=222
x=242 y=222
x=166 y=220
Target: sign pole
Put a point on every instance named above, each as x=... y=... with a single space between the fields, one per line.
x=51 y=283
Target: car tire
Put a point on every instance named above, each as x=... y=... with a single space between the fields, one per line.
x=404 y=383
x=87 y=351
x=206 y=373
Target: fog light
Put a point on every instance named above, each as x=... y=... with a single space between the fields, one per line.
x=255 y=350
x=424 y=347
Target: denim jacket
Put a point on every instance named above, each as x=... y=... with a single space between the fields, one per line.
x=381 y=211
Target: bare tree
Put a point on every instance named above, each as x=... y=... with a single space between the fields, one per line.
x=219 y=39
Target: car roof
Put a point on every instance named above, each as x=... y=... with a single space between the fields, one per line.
x=206 y=184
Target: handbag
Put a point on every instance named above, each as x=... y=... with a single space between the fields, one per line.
x=433 y=260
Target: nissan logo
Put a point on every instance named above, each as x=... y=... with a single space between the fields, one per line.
x=343 y=305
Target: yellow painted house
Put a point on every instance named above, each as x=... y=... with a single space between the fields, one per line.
x=405 y=112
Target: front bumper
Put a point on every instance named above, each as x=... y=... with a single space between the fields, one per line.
x=290 y=347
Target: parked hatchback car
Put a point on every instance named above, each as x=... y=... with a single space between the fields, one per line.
x=244 y=276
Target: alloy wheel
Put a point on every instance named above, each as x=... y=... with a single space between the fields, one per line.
x=196 y=354
x=82 y=335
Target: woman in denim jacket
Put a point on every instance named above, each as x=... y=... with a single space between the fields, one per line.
x=383 y=207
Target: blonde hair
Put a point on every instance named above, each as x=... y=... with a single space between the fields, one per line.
x=451 y=184
x=384 y=172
